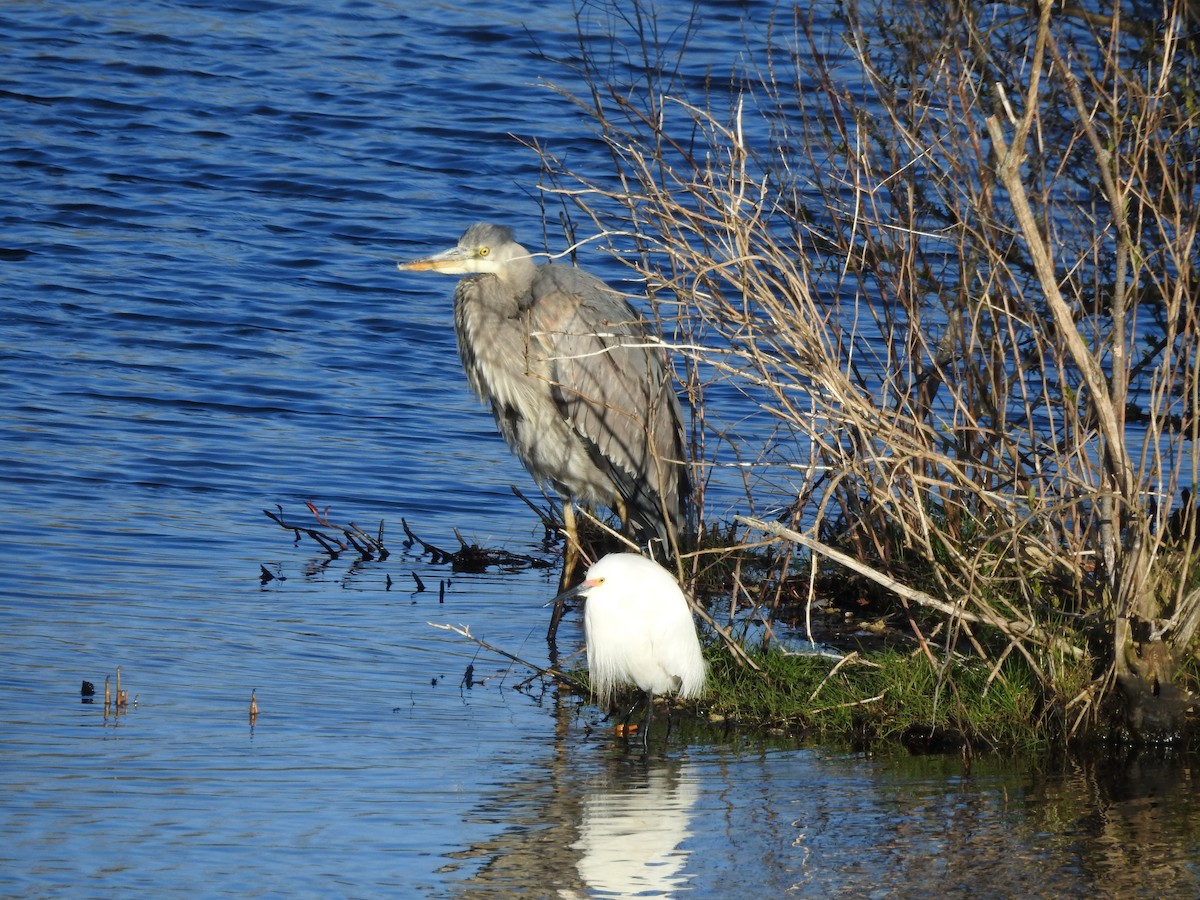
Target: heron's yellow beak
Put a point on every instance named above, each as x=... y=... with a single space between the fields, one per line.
x=450 y=261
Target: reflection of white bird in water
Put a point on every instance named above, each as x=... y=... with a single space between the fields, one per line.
x=639 y=631
x=632 y=833
x=579 y=392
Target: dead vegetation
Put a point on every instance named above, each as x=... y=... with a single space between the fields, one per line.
x=952 y=251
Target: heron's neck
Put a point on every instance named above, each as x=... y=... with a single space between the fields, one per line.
x=518 y=277
x=522 y=270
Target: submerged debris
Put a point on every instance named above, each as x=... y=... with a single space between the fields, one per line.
x=472 y=557
x=334 y=539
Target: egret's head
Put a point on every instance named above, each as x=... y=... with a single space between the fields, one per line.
x=589 y=583
x=484 y=249
x=621 y=572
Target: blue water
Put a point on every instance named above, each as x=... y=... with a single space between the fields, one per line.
x=200 y=318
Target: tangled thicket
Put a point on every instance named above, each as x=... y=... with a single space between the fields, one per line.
x=953 y=251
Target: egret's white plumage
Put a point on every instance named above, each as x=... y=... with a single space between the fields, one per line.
x=639 y=629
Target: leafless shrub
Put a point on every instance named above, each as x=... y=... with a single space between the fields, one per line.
x=955 y=258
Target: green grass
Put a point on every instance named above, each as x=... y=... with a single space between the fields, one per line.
x=881 y=697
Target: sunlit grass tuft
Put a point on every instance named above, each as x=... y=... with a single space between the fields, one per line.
x=880 y=697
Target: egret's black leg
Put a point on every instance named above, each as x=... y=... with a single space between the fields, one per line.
x=649 y=717
x=629 y=715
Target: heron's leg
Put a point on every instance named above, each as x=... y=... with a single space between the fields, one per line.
x=649 y=717
x=552 y=633
x=622 y=513
x=571 y=527
x=570 y=564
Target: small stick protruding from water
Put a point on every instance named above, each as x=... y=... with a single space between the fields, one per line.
x=121 y=697
x=107 y=692
x=253 y=705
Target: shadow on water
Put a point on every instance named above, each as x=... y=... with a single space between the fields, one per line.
x=1131 y=821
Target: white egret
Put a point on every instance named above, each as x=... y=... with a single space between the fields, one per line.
x=639 y=630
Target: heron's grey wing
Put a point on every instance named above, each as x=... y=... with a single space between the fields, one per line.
x=613 y=386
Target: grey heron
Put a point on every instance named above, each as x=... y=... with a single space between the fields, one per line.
x=579 y=391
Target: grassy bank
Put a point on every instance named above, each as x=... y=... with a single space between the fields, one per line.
x=883 y=696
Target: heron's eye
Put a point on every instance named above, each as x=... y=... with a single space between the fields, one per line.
x=484 y=251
